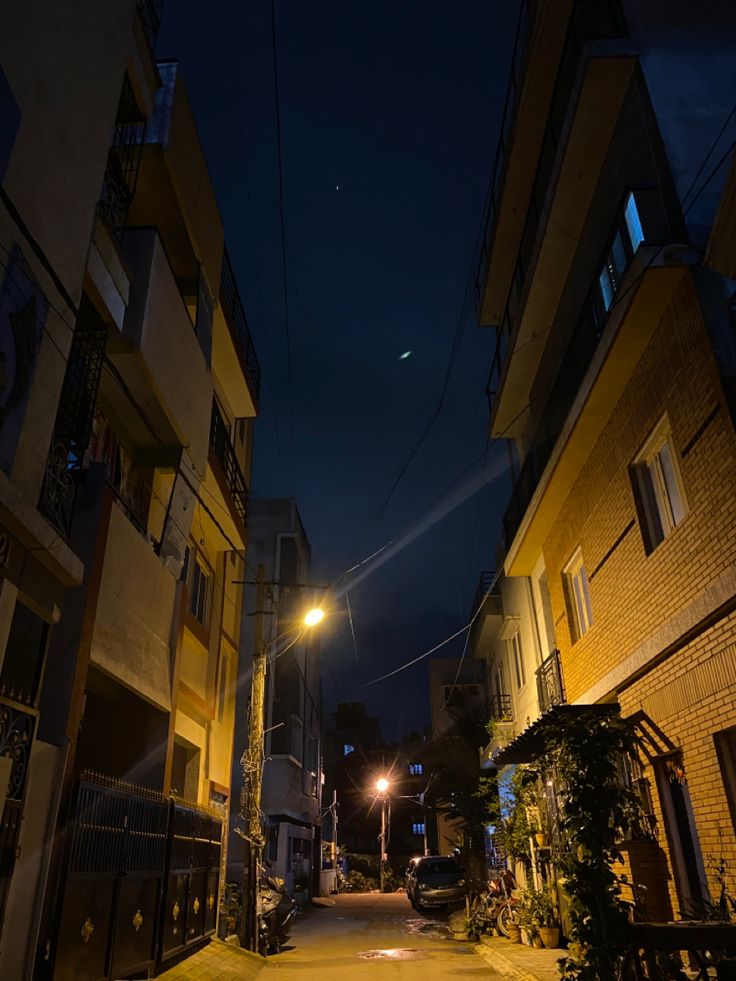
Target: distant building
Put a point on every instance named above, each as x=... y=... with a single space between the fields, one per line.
x=607 y=275
x=356 y=759
x=292 y=773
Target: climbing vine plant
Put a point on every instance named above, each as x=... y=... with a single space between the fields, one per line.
x=597 y=810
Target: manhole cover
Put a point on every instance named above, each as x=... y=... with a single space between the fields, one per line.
x=393 y=954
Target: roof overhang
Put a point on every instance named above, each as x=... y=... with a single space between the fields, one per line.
x=534 y=741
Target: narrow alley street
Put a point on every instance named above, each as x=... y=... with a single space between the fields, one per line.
x=374 y=936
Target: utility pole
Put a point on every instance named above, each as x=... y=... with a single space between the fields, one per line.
x=383 y=840
x=253 y=771
x=334 y=834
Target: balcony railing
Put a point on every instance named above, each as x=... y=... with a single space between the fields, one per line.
x=501 y=708
x=518 y=63
x=225 y=453
x=485 y=582
x=550 y=686
x=233 y=309
x=123 y=162
x=150 y=12
x=74 y=416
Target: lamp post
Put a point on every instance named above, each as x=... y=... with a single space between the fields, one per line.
x=252 y=762
x=382 y=788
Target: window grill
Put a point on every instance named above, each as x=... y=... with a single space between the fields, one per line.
x=123 y=162
x=501 y=708
x=74 y=416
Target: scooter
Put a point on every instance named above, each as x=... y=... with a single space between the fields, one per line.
x=276 y=910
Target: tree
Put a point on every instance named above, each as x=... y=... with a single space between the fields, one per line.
x=460 y=790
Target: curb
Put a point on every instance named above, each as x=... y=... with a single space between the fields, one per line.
x=502 y=963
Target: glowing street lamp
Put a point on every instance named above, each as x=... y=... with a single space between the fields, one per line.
x=314 y=616
x=382 y=788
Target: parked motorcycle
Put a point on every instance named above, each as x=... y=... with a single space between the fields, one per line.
x=276 y=910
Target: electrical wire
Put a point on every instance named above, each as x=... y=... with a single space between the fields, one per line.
x=280 y=170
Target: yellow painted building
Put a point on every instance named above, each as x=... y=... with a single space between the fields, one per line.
x=124 y=473
x=605 y=274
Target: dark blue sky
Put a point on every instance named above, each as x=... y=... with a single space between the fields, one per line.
x=397 y=103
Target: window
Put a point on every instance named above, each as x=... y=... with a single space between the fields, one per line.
x=633 y=223
x=518 y=659
x=347 y=749
x=575 y=580
x=199 y=598
x=657 y=485
x=628 y=237
x=416 y=769
x=418 y=827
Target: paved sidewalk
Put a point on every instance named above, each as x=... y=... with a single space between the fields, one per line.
x=519 y=962
x=217 y=961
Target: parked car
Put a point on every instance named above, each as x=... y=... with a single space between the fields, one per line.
x=434 y=880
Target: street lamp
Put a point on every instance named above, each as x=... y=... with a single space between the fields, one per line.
x=382 y=788
x=253 y=760
x=314 y=616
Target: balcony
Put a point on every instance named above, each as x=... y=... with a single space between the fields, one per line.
x=227 y=470
x=150 y=13
x=159 y=356
x=585 y=342
x=132 y=628
x=544 y=76
x=550 y=686
x=238 y=327
x=488 y=621
x=123 y=161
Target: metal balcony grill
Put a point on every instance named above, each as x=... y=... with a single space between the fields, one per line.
x=74 y=417
x=150 y=12
x=501 y=708
x=235 y=315
x=550 y=686
x=225 y=453
x=123 y=162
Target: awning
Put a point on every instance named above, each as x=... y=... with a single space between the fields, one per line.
x=533 y=741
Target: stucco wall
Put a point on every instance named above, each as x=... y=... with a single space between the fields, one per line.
x=134 y=614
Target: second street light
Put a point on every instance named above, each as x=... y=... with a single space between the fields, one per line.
x=253 y=758
x=382 y=788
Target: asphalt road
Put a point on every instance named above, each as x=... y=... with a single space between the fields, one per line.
x=373 y=936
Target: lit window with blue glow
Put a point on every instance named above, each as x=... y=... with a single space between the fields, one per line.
x=606 y=288
x=347 y=749
x=417 y=828
x=416 y=769
x=633 y=223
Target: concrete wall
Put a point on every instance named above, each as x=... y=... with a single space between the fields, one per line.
x=134 y=615
x=158 y=326
x=65 y=63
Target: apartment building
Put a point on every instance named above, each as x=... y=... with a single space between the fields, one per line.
x=607 y=276
x=139 y=466
x=292 y=774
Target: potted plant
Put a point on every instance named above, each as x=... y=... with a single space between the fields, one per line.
x=514 y=931
x=540 y=916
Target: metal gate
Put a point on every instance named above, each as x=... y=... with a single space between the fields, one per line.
x=114 y=872
x=16 y=737
x=189 y=909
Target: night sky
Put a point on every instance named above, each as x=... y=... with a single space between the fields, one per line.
x=390 y=112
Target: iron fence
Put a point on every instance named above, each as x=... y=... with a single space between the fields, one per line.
x=123 y=162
